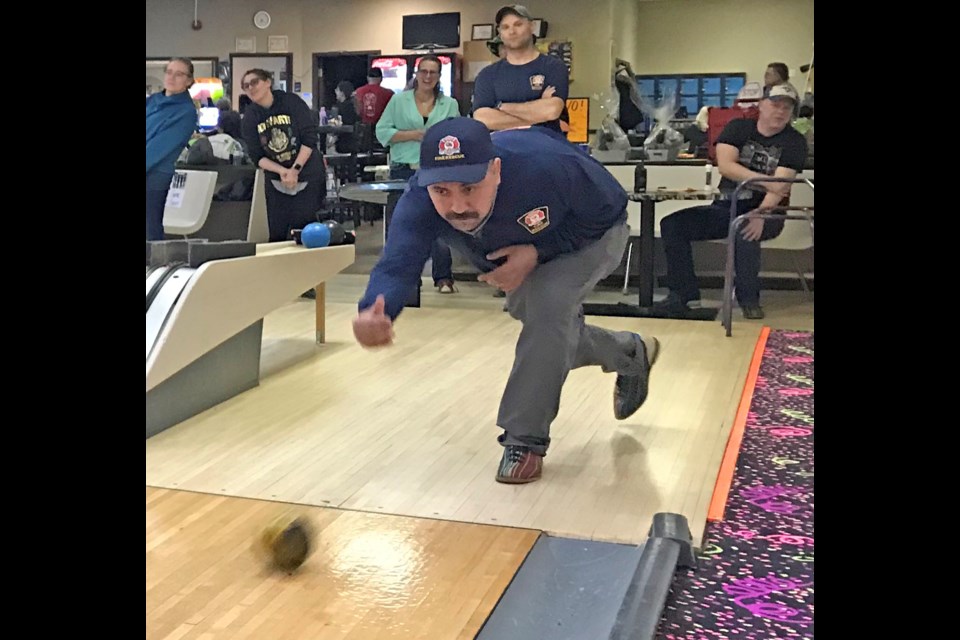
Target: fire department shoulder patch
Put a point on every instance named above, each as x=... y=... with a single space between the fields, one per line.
x=535 y=220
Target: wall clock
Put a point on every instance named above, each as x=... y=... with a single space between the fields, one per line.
x=261 y=19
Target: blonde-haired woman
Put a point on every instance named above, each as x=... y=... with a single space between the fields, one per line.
x=171 y=120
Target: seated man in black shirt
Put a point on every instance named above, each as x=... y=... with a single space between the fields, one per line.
x=746 y=149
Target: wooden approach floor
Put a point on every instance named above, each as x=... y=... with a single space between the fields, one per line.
x=371 y=577
x=410 y=430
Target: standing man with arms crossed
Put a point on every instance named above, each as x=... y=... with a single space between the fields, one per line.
x=525 y=87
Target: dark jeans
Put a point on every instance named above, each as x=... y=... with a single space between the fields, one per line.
x=286 y=212
x=156 y=203
x=440 y=256
x=442 y=262
x=711 y=222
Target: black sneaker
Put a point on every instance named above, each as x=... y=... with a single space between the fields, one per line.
x=752 y=312
x=630 y=392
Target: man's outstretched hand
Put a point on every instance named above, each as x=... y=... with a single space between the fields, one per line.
x=373 y=327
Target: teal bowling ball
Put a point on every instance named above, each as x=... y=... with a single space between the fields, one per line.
x=315 y=235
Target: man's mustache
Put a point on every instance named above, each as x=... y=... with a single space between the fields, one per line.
x=466 y=215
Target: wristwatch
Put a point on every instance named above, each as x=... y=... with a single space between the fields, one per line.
x=298 y=166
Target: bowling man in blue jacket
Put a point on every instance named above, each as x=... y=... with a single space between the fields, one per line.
x=542 y=221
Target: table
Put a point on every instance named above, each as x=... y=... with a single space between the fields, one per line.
x=645 y=309
x=386 y=193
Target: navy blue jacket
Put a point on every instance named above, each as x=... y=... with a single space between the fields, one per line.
x=551 y=195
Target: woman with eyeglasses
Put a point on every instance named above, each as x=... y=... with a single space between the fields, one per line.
x=401 y=127
x=171 y=120
x=281 y=139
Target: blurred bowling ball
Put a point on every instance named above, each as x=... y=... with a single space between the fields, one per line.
x=285 y=543
x=315 y=235
x=337 y=232
x=349 y=237
x=295 y=235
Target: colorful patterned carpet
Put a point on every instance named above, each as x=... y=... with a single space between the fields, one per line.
x=754 y=579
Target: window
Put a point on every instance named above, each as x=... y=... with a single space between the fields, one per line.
x=693 y=91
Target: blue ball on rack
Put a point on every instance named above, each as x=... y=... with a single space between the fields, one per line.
x=315 y=235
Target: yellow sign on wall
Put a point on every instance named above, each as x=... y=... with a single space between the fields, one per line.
x=579 y=111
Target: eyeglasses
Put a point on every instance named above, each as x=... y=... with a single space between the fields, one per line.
x=253 y=82
x=425 y=72
x=176 y=74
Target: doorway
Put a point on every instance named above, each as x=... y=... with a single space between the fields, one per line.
x=279 y=64
x=331 y=67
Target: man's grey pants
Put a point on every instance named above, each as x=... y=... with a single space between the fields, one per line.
x=555 y=338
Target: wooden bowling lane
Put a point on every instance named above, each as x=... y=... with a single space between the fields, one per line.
x=370 y=577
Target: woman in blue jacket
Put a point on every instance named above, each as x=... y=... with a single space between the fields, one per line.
x=171 y=120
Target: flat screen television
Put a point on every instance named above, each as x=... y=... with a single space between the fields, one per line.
x=208 y=118
x=431 y=31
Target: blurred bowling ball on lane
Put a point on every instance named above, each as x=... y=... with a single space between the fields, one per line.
x=337 y=232
x=315 y=235
x=285 y=543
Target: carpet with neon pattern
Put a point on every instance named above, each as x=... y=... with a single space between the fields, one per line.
x=754 y=579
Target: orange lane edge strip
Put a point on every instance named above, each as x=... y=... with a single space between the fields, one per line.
x=721 y=489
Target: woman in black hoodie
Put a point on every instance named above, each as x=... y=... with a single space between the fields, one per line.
x=281 y=139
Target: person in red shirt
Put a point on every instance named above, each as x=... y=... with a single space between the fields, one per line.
x=371 y=98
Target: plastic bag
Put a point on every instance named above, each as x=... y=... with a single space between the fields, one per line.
x=611 y=135
x=662 y=134
x=664 y=142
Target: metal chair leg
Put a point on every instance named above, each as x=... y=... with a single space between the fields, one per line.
x=727 y=313
x=626 y=272
x=799 y=268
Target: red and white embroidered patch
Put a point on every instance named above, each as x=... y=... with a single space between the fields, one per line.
x=535 y=220
x=449 y=145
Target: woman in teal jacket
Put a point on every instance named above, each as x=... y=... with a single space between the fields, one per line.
x=401 y=127
x=171 y=120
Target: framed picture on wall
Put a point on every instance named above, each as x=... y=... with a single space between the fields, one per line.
x=482 y=32
x=278 y=44
x=539 y=27
x=246 y=45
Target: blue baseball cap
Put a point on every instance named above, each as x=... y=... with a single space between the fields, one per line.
x=455 y=150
